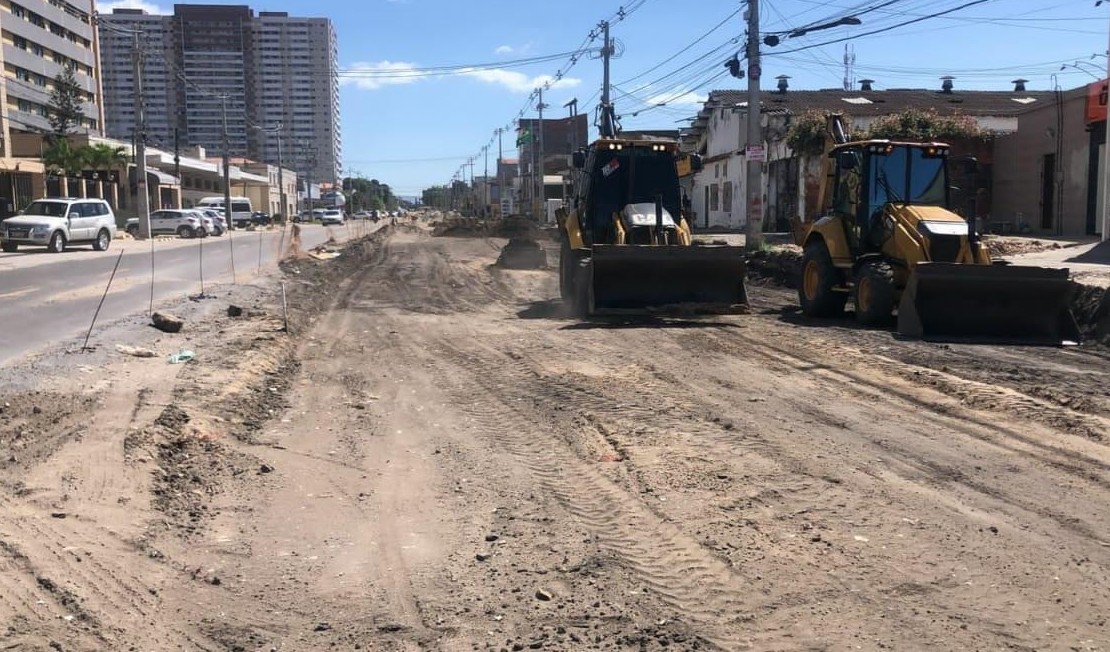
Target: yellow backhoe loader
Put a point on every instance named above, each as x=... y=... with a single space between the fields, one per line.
x=885 y=238
x=626 y=243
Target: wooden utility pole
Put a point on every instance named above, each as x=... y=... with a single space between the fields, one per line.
x=143 y=195
x=753 y=151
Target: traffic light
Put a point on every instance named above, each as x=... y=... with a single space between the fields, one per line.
x=733 y=66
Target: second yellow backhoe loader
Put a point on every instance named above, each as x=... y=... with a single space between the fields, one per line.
x=886 y=239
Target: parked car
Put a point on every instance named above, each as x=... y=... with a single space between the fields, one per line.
x=332 y=216
x=261 y=218
x=58 y=223
x=303 y=216
x=183 y=223
x=218 y=222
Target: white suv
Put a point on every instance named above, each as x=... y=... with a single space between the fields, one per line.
x=332 y=216
x=185 y=223
x=58 y=223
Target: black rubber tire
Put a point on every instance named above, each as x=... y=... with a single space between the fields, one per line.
x=133 y=231
x=185 y=232
x=57 y=243
x=103 y=240
x=10 y=247
x=875 y=281
x=201 y=233
x=820 y=299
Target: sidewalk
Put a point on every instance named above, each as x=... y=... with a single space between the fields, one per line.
x=1089 y=263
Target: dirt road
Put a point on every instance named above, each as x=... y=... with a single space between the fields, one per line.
x=437 y=459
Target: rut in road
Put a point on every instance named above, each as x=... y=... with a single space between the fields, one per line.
x=515 y=410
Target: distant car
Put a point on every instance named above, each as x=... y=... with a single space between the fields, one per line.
x=183 y=223
x=332 y=216
x=58 y=223
x=303 y=216
x=219 y=225
x=261 y=218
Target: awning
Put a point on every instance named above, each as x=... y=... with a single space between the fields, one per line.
x=161 y=178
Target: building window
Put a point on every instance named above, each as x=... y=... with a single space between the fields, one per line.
x=726 y=196
x=724 y=169
x=714 y=198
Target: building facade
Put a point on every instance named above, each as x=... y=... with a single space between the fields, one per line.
x=209 y=63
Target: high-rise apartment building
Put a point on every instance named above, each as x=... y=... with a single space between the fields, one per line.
x=40 y=38
x=266 y=69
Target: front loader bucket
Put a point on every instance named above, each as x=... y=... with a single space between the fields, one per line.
x=995 y=303
x=638 y=279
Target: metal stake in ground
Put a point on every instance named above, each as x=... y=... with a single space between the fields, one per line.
x=231 y=243
x=150 y=311
x=260 y=251
x=85 y=346
x=200 y=262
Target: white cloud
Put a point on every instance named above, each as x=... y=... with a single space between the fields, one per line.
x=518 y=82
x=372 y=76
x=149 y=7
x=504 y=49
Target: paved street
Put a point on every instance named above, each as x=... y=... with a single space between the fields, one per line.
x=47 y=298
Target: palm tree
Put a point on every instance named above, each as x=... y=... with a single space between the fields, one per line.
x=103 y=157
x=62 y=159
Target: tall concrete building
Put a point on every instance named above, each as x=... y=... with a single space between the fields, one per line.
x=40 y=38
x=266 y=69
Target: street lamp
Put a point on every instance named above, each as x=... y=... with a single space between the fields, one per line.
x=276 y=129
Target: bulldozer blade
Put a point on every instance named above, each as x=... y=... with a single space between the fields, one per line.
x=988 y=303
x=645 y=279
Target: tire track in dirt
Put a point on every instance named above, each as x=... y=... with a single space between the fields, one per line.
x=695 y=583
x=606 y=401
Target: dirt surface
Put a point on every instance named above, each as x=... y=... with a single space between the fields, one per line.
x=433 y=458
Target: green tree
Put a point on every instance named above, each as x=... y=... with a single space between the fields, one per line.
x=63 y=159
x=67 y=100
x=105 y=157
x=924 y=125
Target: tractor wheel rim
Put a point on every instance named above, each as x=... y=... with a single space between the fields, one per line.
x=863 y=294
x=811 y=280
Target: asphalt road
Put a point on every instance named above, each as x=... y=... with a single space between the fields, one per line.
x=48 y=298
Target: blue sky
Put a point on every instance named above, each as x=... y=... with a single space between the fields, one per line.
x=412 y=130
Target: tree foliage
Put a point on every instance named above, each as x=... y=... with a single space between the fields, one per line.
x=437 y=196
x=61 y=158
x=369 y=194
x=924 y=125
x=66 y=107
x=808 y=130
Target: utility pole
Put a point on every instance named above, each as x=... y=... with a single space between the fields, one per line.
x=608 y=126
x=753 y=187
x=485 y=182
x=177 y=157
x=140 y=140
x=540 y=195
x=1106 y=167
x=228 y=217
x=500 y=180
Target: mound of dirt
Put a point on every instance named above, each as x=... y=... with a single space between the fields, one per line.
x=515 y=226
x=1091 y=307
x=522 y=253
x=779 y=265
x=460 y=229
x=1005 y=246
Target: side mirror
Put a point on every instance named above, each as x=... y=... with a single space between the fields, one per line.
x=579 y=159
x=696 y=164
x=74 y=215
x=846 y=161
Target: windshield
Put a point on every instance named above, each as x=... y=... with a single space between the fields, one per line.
x=925 y=183
x=48 y=208
x=634 y=176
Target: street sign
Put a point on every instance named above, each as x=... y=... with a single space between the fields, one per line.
x=755 y=153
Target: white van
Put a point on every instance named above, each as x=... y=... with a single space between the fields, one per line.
x=241 y=209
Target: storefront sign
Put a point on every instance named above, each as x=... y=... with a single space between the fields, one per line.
x=1096 y=102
